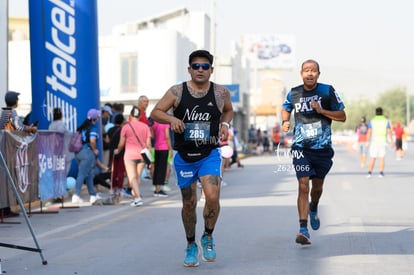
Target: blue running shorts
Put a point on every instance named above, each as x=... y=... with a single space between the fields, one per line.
x=190 y=172
x=312 y=163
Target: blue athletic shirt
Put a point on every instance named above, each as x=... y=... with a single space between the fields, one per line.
x=312 y=130
x=87 y=134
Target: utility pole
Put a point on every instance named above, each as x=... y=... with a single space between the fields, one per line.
x=4 y=38
x=213 y=26
x=213 y=31
x=408 y=115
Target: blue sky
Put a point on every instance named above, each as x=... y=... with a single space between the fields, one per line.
x=363 y=47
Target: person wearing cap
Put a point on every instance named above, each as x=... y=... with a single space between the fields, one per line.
x=86 y=157
x=9 y=114
x=106 y=114
x=202 y=112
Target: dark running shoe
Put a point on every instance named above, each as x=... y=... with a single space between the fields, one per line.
x=160 y=194
x=303 y=237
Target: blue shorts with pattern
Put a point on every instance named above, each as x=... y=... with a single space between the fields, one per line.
x=190 y=172
x=312 y=163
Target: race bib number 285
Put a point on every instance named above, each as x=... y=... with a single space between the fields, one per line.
x=197 y=131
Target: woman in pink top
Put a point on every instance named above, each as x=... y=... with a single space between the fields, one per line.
x=135 y=136
x=163 y=147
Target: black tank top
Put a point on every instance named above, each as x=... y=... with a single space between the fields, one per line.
x=201 y=117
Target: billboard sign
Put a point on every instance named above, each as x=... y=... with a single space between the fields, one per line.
x=270 y=51
x=64 y=59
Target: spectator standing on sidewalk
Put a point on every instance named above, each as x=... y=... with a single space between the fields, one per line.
x=116 y=162
x=266 y=141
x=361 y=131
x=58 y=125
x=106 y=124
x=117 y=108
x=252 y=138
x=143 y=103
x=9 y=114
x=399 y=133
x=202 y=113
x=86 y=157
x=135 y=136
x=162 y=149
x=315 y=106
x=235 y=157
x=378 y=129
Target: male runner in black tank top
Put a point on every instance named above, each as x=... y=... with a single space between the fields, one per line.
x=202 y=112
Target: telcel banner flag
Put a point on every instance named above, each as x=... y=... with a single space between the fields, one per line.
x=64 y=59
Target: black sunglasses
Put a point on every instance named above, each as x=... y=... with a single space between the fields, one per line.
x=204 y=66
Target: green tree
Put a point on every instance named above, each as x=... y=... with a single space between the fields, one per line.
x=355 y=110
x=394 y=104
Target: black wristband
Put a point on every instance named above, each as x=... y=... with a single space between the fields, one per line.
x=283 y=121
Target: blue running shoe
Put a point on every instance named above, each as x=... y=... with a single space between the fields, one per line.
x=303 y=236
x=191 y=256
x=209 y=253
x=314 y=220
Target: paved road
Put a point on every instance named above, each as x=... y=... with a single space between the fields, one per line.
x=367 y=227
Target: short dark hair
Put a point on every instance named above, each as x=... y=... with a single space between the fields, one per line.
x=57 y=114
x=201 y=53
x=118 y=107
x=311 y=61
x=11 y=98
x=119 y=119
x=378 y=111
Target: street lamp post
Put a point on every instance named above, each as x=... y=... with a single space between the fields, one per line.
x=408 y=115
x=4 y=38
x=213 y=30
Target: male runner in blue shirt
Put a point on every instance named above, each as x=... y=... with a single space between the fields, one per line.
x=315 y=105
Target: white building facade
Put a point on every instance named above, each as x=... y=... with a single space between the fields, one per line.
x=148 y=56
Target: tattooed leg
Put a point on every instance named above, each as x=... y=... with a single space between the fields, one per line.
x=188 y=212
x=211 y=188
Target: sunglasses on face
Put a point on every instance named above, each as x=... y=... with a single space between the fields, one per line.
x=204 y=66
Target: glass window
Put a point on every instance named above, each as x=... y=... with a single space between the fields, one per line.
x=129 y=73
